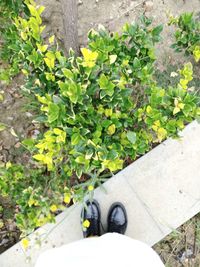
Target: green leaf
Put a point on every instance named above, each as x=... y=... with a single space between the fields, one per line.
x=157 y=30
x=53 y=112
x=113 y=165
x=75 y=139
x=136 y=63
x=106 y=85
x=28 y=142
x=103 y=81
x=131 y=137
x=2 y=127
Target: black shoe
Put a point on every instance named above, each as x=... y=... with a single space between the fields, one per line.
x=92 y=214
x=117 y=219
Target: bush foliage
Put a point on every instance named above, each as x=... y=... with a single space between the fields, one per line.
x=187 y=34
x=100 y=110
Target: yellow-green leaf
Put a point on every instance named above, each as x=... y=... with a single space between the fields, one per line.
x=24 y=36
x=161 y=133
x=111 y=129
x=89 y=57
x=42 y=48
x=149 y=109
x=51 y=39
x=2 y=127
x=196 y=53
x=176 y=110
x=68 y=73
x=108 y=112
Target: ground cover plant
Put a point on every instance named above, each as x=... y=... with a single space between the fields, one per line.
x=100 y=110
x=187 y=34
x=8 y=33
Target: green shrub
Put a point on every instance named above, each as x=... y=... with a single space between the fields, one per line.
x=100 y=110
x=9 y=48
x=187 y=34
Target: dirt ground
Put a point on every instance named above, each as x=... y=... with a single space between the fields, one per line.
x=181 y=248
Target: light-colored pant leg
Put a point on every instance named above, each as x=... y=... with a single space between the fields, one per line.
x=108 y=250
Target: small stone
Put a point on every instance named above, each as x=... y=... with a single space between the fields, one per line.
x=148 y=5
x=34 y=133
x=97 y=1
x=10 y=118
x=80 y=2
x=17 y=145
x=17 y=95
x=29 y=115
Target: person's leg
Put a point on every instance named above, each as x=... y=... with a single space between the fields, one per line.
x=112 y=249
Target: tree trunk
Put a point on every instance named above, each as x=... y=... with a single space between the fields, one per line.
x=70 y=21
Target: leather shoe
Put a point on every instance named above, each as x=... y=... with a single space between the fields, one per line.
x=91 y=213
x=117 y=218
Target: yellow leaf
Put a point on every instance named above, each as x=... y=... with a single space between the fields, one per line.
x=86 y=224
x=183 y=83
x=41 y=9
x=111 y=129
x=67 y=198
x=89 y=57
x=32 y=202
x=156 y=125
x=50 y=59
x=25 y=243
x=90 y=188
x=39 y=157
x=162 y=133
x=51 y=39
x=49 y=62
x=53 y=208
